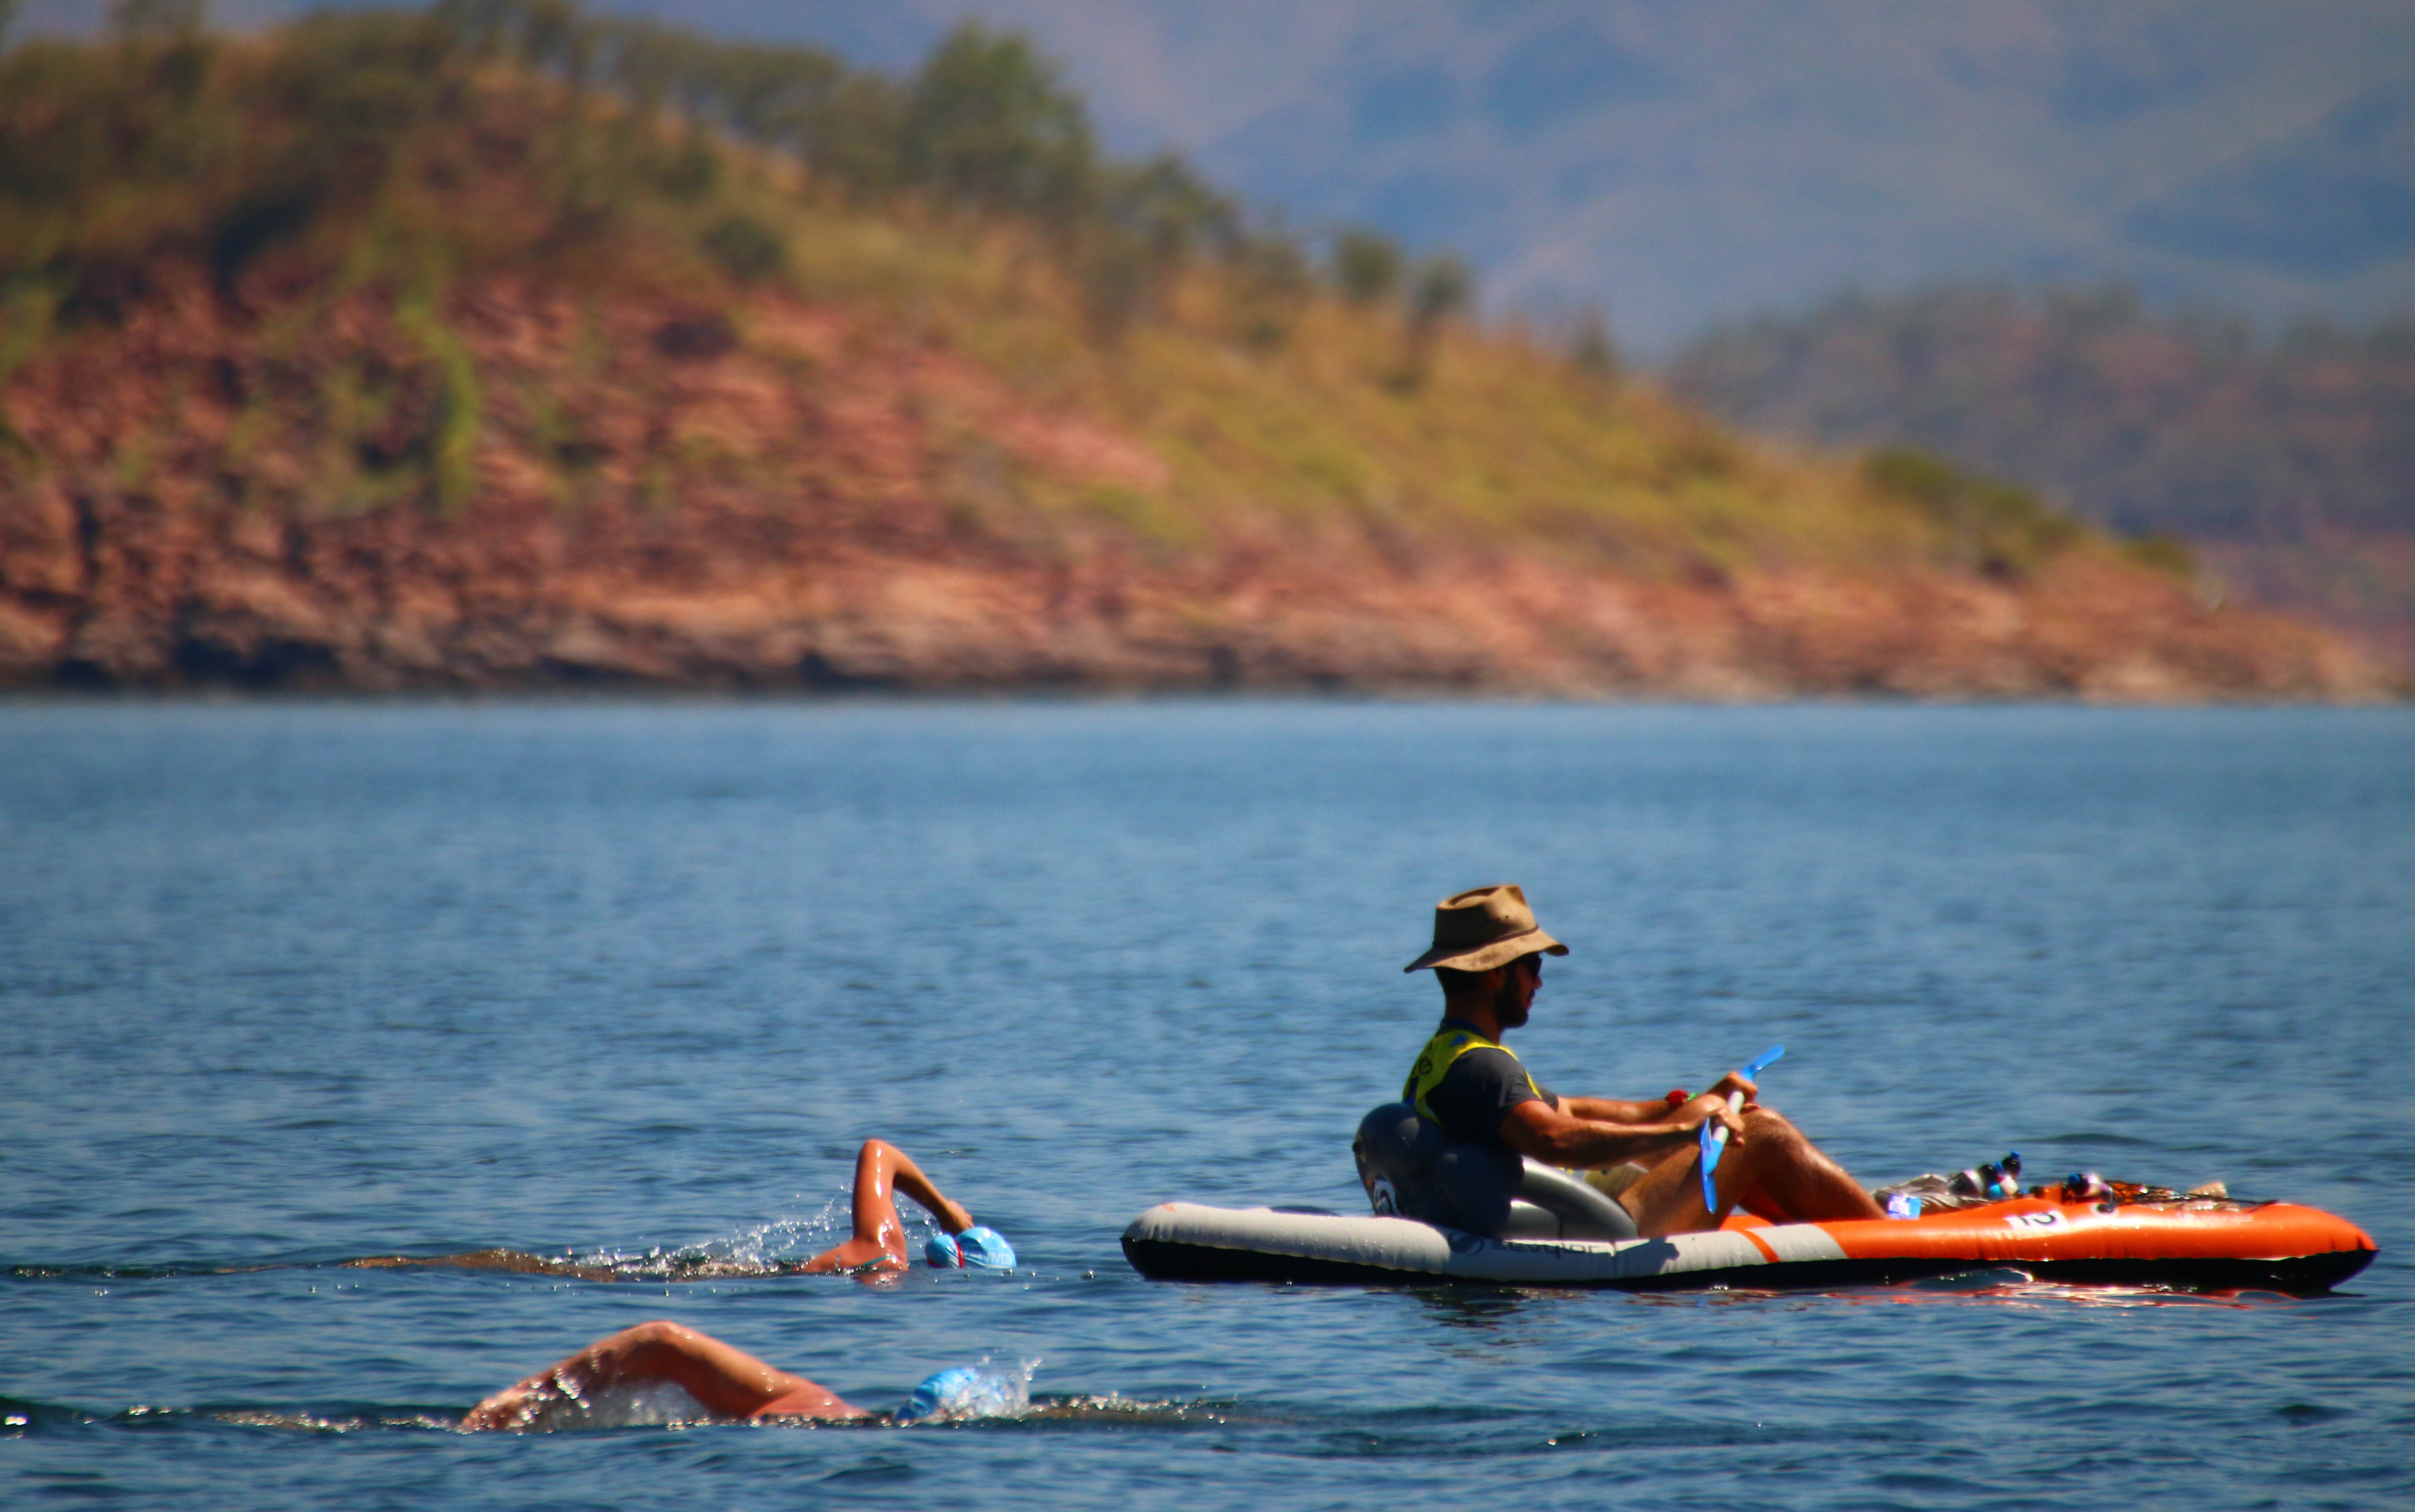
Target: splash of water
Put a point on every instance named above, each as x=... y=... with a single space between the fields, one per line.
x=767 y=1248
x=623 y=1404
x=559 y=1400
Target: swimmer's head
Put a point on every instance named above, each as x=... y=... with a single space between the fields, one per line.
x=946 y=1392
x=969 y=1391
x=978 y=1247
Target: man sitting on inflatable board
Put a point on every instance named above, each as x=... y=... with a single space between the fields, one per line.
x=1476 y=1144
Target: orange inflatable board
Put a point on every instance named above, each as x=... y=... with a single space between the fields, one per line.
x=2193 y=1244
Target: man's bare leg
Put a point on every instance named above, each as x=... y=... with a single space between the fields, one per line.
x=728 y=1381
x=883 y=1169
x=1774 y=1173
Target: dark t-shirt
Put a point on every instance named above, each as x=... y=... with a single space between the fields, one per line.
x=1479 y=1089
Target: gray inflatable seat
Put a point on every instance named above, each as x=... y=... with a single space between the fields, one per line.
x=1412 y=1168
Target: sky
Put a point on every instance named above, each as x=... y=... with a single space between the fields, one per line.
x=1682 y=163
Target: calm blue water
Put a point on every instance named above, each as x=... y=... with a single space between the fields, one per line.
x=285 y=984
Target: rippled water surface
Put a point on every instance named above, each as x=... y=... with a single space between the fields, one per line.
x=284 y=985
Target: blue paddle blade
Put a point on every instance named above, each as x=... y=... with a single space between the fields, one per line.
x=1753 y=1068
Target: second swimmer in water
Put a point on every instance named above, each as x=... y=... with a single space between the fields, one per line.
x=879 y=1243
x=881 y=1170
x=707 y=1378
x=726 y=1381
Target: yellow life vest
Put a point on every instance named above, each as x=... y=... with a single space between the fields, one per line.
x=1441 y=1052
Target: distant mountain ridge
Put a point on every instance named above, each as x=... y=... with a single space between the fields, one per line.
x=2288 y=460
x=1687 y=163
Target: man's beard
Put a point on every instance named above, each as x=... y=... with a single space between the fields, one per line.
x=1509 y=1006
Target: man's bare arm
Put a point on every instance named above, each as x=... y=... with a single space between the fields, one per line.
x=1558 y=1138
x=1615 y=1110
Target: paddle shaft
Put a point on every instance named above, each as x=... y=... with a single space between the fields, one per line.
x=1715 y=1134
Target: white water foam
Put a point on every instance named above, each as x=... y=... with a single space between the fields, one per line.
x=627 y=1404
x=762 y=1247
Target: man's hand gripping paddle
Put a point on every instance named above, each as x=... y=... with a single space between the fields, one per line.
x=1714 y=1133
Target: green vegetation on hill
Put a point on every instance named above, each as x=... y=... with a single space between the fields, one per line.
x=166 y=137
x=411 y=155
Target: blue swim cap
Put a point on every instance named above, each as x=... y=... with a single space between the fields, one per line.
x=981 y=1248
x=985 y=1248
x=944 y=1391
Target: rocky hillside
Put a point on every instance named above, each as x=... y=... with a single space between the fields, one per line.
x=435 y=353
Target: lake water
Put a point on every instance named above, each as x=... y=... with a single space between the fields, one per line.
x=284 y=984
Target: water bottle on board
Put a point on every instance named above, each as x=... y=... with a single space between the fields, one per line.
x=1993 y=1181
x=2083 y=1186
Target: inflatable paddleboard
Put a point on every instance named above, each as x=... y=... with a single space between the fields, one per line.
x=2190 y=1243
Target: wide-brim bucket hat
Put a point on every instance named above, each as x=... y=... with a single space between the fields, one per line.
x=1482 y=927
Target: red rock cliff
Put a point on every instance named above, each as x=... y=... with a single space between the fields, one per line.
x=790 y=497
